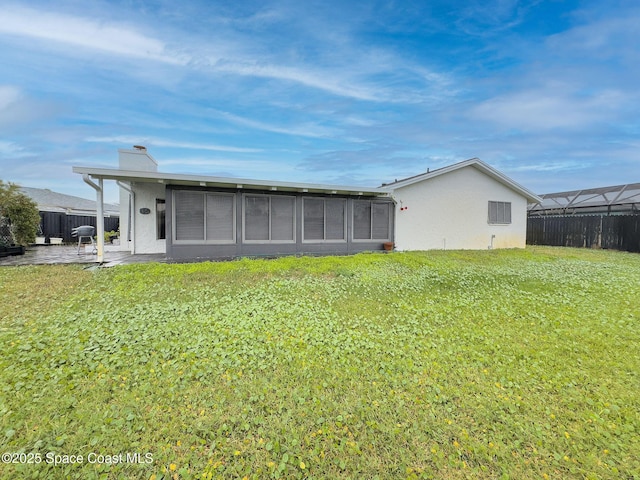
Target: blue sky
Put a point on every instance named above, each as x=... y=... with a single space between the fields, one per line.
x=349 y=92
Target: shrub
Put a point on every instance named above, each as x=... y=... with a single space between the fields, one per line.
x=21 y=212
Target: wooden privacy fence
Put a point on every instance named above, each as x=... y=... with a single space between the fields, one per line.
x=617 y=232
x=55 y=224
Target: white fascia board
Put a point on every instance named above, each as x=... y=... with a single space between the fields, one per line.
x=223 y=182
x=108 y=212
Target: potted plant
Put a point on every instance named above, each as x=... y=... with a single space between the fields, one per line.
x=40 y=238
x=111 y=236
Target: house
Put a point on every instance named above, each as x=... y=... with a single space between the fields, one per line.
x=187 y=217
x=60 y=213
x=467 y=205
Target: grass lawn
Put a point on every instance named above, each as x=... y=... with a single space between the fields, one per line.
x=448 y=365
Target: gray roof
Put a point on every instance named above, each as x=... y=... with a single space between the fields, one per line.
x=224 y=182
x=472 y=162
x=251 y=184
x=49 y=201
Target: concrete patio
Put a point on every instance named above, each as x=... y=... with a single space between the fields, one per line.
x=67 y=254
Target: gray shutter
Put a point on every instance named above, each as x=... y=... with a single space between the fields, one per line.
x=256 y=218
x=189 y=215
x=361 y=219
x=507 y=212
x=282 y=217
x=313 y=220
x=334 y=218
x=220 y=217
x=380 y=221
x=493 y=212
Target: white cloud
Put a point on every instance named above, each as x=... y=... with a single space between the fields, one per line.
x=617 y=36
x=305 y=130
x=230 y=167
x=158 y=142
x=85 y=33
x=12 y=150
x=8 y=96
x=328 y=81
x=556 y=166
x=548 y=108
x=351 y=70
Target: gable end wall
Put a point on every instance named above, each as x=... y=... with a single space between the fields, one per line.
x=450 y=212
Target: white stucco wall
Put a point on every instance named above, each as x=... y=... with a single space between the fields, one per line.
x=140 y=237
x=125 y=240
x=450 y=211
x=144 y=236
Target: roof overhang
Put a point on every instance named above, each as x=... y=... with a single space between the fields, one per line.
x=108 y=212
x=475 y=163
x=132 y=176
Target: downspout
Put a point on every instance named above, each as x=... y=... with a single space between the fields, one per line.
x=132 y=215
x=100 y=214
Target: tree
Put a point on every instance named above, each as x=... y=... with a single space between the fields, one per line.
x=21 y=213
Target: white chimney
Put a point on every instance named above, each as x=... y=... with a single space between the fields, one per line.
x=137 y=159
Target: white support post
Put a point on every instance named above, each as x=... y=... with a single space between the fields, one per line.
x=131 y=218
x=100 y=220
x=100 y=213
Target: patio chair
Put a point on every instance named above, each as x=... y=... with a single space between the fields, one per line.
x=85 y=231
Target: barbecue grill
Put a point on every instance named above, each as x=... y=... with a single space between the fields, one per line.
x=85 y=231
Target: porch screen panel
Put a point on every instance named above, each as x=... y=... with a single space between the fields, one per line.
x=313 y=218
x=220 y=217
x=361 y=220
x=189 y=215
x=282 y=218
x=256 y=218
x=380 y=221
x=334 y=218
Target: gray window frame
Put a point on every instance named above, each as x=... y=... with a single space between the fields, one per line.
x=371 y=223
x=204 y=240
x=161 y=219
x=498 y=207
x=268 y=241
x=324 y=221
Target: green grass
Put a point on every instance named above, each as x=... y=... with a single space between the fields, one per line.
x=494 y=364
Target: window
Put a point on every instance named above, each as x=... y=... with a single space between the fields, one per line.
x=204 y=217
x=323 y=219
x=161 y=233
x=220 y=225
x=189 y=216
x=269 y=218
x=371 y=220
x=499 y=212
x=282 y=218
